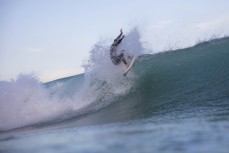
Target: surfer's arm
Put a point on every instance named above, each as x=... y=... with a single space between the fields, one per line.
x=120 y=35
x=120 y=40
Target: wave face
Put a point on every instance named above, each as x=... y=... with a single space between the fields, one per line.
x=176 y=84
x=185 y=83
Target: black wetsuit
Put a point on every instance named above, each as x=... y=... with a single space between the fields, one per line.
x=115 y=58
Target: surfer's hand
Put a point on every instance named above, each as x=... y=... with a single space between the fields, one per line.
x=121 y=31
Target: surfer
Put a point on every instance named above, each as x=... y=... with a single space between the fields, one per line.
x=117 y=58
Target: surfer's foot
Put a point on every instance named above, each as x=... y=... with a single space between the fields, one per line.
x=127 y=65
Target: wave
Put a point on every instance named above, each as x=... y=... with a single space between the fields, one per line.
x=188 y=80
x=184 y=83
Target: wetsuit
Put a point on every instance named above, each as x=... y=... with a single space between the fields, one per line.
x=116 y=59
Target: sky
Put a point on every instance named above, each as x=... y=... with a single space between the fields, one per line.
x=52 y=38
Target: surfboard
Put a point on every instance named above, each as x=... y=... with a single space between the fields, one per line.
x=130 y=66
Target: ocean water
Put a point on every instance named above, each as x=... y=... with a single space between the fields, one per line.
x=173 y=101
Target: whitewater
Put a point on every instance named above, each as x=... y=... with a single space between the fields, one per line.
x=171 y=101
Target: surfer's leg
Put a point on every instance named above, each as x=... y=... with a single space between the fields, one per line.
x=122 y=58
x=114 y=60
x=128 y=56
